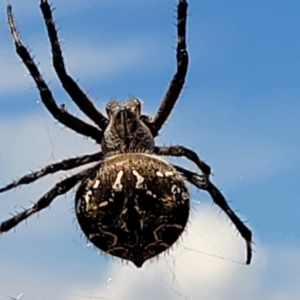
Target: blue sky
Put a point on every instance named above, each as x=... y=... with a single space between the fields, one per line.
x=240 y=111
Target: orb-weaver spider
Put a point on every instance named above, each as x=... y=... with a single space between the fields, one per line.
x=131 y=203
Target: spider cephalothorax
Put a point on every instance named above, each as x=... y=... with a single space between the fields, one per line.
x=131 y=203
x=126 y=132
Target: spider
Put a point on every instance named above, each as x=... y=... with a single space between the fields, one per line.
x=130 y=203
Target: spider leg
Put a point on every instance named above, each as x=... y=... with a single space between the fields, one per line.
x=202 y=182
x=63 y=165
x=183 y=151
x=59 y=189
x=58 y=112
x=178 y=79
x=75 y=92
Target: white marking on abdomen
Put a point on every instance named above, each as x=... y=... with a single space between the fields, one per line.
x=140 y=179
x=117 y=186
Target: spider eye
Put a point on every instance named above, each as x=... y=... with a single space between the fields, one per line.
x=108 y=106
x=137 y=104
x=137 y=101
x=111 y=106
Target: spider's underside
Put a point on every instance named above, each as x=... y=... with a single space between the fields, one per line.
x=135 y=207
x=130 y=203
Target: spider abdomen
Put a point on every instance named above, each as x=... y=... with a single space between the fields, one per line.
x=134 y=207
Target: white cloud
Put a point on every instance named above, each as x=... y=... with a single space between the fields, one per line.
x=83 y=60
x=183 y=274
x=105 y=60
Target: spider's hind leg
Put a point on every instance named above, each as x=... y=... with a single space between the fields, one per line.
x=63 y=165
x=202 y=182
x=59 y=189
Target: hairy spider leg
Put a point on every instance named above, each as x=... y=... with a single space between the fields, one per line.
x=59 y=189
x=177 y=82
x=58 y=112
x=180 y=151
x=72 y=88
x=203 y=183
x=64 y=165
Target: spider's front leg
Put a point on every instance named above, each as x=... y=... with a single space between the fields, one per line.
x=202 y=182
x=72 y=88
x=178 y=79
x=59 y=189
x=58 y=112
x=180 y=151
